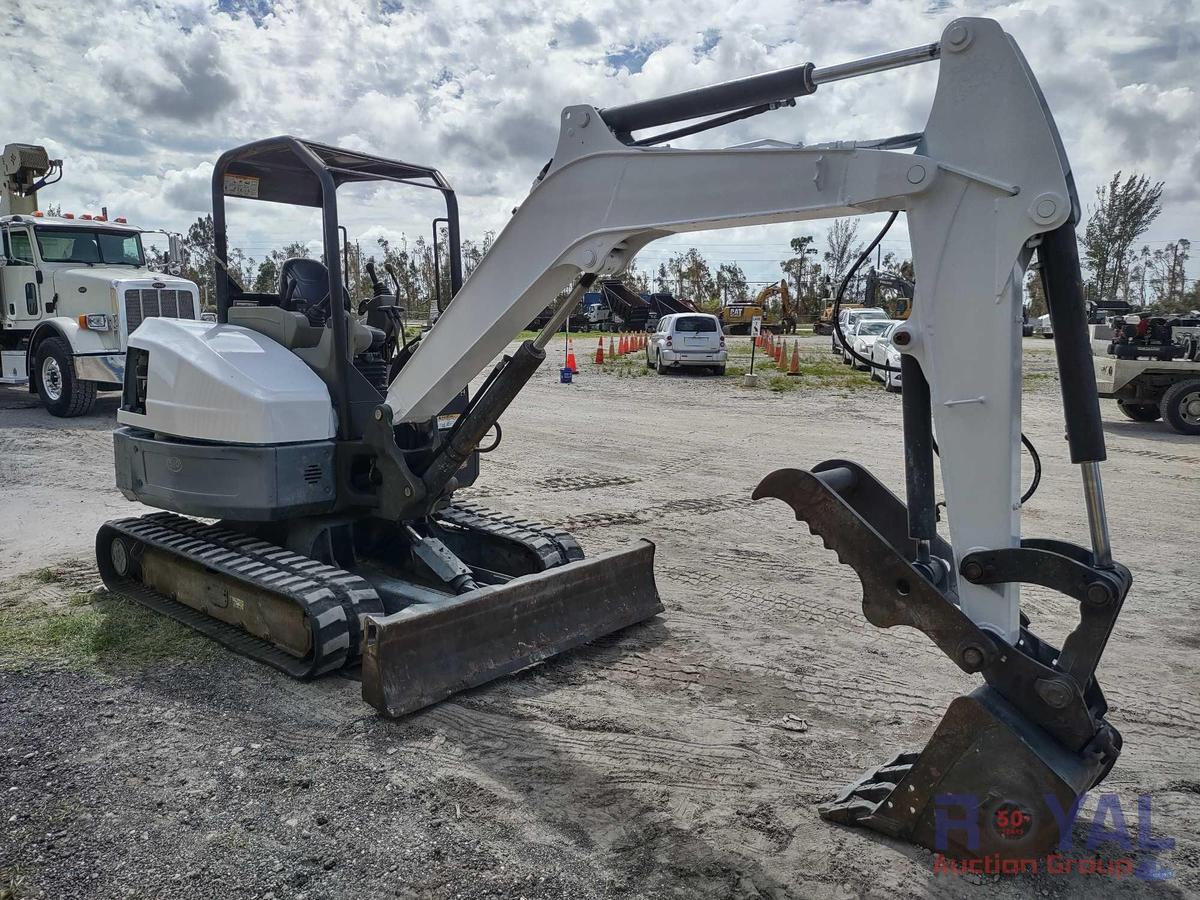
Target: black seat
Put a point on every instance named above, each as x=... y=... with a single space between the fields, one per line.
x=303 y=283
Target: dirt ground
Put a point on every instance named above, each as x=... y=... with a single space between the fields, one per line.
x=681 y=758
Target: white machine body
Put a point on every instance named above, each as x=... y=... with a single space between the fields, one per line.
x=227 y=384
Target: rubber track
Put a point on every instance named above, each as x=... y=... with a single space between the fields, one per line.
x=552 y=546
x=333 y=600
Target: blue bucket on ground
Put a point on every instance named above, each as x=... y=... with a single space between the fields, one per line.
x=564 y=375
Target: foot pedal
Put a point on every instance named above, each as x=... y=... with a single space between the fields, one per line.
x=988 y=783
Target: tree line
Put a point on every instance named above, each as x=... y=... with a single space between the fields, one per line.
x=1117 y=268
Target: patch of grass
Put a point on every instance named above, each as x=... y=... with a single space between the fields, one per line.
x=46 y=576
x=93 y=629
x=781 y=384
x=12 y=885
x=1032 y=380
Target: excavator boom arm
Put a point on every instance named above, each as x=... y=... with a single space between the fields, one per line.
x=988 y=175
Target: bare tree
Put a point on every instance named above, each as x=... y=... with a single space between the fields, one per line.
x=731 y=284
x=1124 y=210
x=1168 y=276
x=843 y=248
x=636 y=280
x=804 y=274
x=692 y=277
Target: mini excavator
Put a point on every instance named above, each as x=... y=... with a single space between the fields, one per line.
x=329 y=448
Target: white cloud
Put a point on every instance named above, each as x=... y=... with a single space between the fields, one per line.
x=141 y=107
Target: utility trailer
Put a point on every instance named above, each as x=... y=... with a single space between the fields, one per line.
x=72 y=290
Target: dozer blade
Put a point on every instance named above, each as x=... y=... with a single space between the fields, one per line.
x=988 y=783
x=429 y=651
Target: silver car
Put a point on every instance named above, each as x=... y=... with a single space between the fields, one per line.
x=687 y=340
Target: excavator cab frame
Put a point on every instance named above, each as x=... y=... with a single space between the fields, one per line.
x=298 y=172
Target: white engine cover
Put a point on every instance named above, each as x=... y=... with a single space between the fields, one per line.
x=229 y=385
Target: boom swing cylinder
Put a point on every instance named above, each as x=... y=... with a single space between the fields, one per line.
x=987 y=185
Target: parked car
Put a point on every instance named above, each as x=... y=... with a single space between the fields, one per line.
x=687 y=340
x=848 y=318
x=1042 y=327
x=885 y=359
x=866 y=332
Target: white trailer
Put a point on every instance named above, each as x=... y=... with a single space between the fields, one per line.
x=72 y=289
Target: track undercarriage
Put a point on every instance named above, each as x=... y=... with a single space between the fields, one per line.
x=477 y=596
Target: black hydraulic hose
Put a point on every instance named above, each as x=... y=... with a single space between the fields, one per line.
x=494 y=444
x=708 y=124
x=837 y=300
x=837 y=326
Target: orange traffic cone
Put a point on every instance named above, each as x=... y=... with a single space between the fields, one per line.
x=778 y=351
x=623 y=348
x=600 y=353
x=612 y=350
x=794 y=368
x=571 y=364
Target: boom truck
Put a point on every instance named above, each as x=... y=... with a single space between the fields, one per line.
x=72 y=290
x=341 y=541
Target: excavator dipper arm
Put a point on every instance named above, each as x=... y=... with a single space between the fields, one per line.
x=988 y=184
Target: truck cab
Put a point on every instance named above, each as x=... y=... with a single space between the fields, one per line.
x=72 y=290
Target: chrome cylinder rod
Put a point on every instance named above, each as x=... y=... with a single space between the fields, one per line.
x=1093 y=499
x=897 y=59
x=563 y=310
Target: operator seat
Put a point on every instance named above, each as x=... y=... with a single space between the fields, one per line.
x=303 y=283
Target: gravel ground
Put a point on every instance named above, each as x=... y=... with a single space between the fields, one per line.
x=682 y=758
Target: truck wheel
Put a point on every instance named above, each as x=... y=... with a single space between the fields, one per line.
x=64 y=394
x=1139 y=412
x=1180 y=406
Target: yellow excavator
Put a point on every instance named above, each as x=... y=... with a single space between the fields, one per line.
x=898 y=305
x=787 y=307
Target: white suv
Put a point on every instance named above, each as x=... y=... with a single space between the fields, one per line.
x=687 y=339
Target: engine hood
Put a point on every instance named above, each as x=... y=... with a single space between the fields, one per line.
x=104 y=277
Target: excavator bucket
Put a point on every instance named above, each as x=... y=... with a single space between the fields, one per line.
x=1004 y=770
x=988 y=783
x=428 y=651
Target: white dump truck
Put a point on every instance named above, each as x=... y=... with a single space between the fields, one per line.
x=72 y=289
